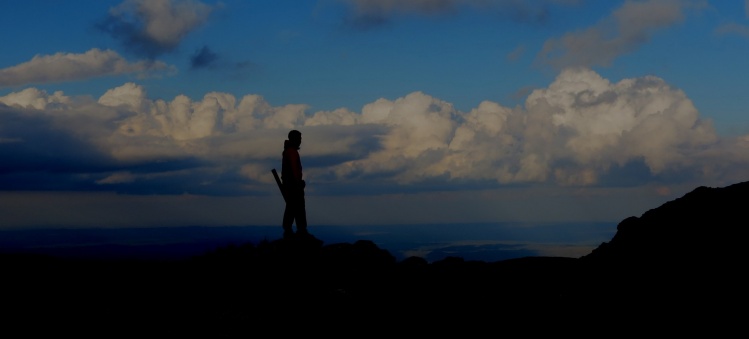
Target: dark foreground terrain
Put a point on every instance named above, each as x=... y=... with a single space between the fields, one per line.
x=677 y=269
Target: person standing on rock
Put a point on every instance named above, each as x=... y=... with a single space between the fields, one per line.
x=293 y=187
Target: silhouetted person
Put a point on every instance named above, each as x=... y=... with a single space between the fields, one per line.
x=293 y=187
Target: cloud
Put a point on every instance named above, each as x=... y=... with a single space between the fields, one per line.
x=516 y=53
x=581 y=130
x=54 y=138
x=371 y=13
x=733 y=28
x=153 y=27
x=629 y=27
x=62 y=67
x=571 y=133
x=203 y=58
x=597 y=125
x=118 y=177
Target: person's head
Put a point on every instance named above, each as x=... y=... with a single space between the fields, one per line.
x=295 y=137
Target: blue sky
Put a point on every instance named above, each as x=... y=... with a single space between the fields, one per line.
x=168 y=113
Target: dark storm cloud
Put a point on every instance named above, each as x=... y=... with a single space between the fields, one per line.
x=154 y=27
x=364 y=14
x=189 y=176
x=203 y=58
x=38 y=156
x=133 y=39
x=40 y=153
x=32 y=143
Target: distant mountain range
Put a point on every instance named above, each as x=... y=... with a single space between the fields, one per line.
x=677 y=269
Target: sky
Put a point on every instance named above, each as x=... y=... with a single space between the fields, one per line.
x=166 y=113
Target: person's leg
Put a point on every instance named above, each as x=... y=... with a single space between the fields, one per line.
x=300 y=213
x=288 y=220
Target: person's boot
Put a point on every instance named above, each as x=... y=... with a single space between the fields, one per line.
x=302 y=232
x=287 y=233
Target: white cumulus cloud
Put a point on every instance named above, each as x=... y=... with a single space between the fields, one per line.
x=61 y=67
x=573 y=132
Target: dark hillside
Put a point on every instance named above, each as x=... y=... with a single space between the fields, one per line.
x=677 y=268
x=691 y=243
x=697 y=228
x=685 y=258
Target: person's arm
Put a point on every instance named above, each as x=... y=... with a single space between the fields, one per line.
x=296 y=166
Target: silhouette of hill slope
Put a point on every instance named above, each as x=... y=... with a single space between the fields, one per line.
x=693 y=241
x=698 y=227
x=676 y=268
